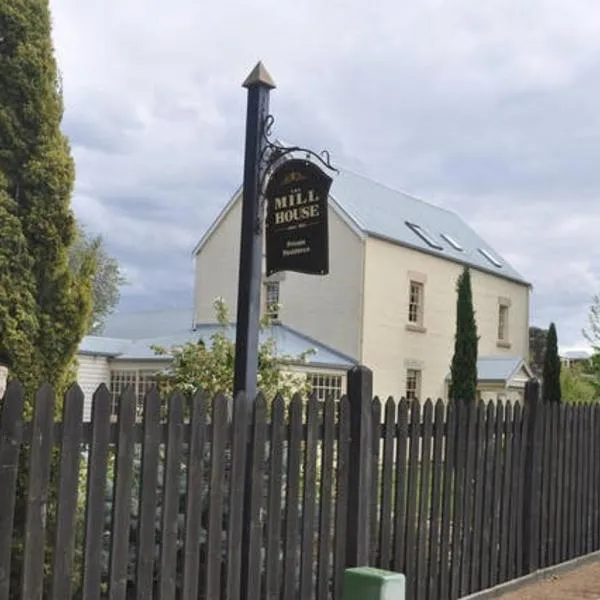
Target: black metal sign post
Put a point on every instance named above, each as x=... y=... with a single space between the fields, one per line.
x=297 y=232
x=297 y=240
x=259 y=85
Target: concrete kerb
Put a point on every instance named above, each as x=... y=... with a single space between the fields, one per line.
x=535 y=577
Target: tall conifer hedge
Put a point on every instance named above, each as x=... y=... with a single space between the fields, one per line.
x=44 y=305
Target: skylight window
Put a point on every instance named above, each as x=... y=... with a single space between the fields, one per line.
x=424 y=235
x=452 y=242
x=491 y=258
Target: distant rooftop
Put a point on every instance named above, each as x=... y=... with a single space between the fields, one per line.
x=584 y=354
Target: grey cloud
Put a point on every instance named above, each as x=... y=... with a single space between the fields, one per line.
x=488 y=109
x=98 y=122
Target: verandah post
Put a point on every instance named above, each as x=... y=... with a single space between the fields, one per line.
x=360 y=395
x=534 y=423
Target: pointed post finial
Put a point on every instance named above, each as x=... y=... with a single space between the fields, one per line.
x=259 y=76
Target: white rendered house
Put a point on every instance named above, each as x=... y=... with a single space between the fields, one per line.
x=389 y=299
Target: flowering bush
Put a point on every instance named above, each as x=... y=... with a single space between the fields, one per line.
x=197 y=365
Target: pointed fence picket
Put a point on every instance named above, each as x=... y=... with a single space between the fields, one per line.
x=11 y=435
x=66 y=510
x=169 y=533
x=40 y=457
x=458 y=497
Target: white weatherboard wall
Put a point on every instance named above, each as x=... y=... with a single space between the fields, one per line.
x=91 y=373
x=389 y=348
x=324 y=307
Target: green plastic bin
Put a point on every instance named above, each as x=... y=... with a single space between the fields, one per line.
x=368 y=583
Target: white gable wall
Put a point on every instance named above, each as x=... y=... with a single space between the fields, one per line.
x=390 y=348
x=327 y=307
x=324 y=307
x=216 y=267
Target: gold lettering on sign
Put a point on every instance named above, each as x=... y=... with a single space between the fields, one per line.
x=295 y=207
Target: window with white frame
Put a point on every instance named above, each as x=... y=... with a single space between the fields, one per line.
x=415 y=302
x=503 y=323
x=324 y=385
x=413 y=384
x=146 y=379
x=272 y=299
x=119 y=381
x=141 y=381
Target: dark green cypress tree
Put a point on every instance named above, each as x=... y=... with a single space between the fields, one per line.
x=551 y=383
x=463 y=371
x=18 y=316
x=44 y=305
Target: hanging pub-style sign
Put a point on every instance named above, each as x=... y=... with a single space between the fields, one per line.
x=297 y=234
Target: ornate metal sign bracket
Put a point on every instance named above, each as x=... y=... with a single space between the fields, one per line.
x=274 y=154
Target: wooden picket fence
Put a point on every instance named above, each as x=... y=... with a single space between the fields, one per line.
x=459 y=498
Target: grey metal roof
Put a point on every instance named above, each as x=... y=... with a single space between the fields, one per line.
x=500 y=369
x=102 y=346
x=288 y=343
x=383 y=212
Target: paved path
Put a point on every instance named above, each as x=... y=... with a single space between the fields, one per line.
x=580 y=584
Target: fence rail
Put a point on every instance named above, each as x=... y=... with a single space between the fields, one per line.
x=458 y=497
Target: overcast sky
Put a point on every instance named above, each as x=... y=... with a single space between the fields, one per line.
x=488 y=108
